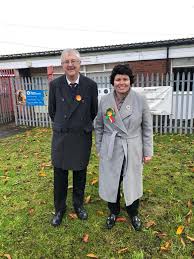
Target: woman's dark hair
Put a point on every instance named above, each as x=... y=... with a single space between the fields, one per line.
x=121 y=70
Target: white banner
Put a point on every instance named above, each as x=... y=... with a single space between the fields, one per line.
x=159 y=98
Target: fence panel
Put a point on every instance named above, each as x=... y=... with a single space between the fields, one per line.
x=181 y=119
x=30 y=114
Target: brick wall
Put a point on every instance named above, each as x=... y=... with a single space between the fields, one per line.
x=149 y=66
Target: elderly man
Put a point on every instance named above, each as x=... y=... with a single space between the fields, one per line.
x=73 y=103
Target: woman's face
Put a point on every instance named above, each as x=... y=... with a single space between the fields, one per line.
x=122 y=84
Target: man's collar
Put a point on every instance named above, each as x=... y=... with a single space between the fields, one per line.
x=76 y=81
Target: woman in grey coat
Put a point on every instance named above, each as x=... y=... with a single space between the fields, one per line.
x=124 y=141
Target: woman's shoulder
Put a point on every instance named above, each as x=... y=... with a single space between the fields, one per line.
x=137 y=94
x=106 y=98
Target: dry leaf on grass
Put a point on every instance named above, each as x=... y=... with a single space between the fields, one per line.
x=8 y=256
x=166 y=247
x=180 y=230
x=42 y=174
x=94 y=181
x=85 y=238
x=150 y=223
x=188 y=217
x=123 y=250
x=121 y=219
x=189 y=204
x=190 y=238
x=31 y=211
x=72 y=215
x=92 y=256
x=87 y=199
x=160 y=234
x=46 y=164
x=100 y=213
x=182 y=242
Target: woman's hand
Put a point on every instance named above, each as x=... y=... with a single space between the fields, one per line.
x=146 y=159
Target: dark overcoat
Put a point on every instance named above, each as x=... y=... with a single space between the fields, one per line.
x=72 y=122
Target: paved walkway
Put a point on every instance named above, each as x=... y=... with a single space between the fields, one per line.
x=10 y=129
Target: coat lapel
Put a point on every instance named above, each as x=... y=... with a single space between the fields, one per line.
x=127 y=107
x=118 y=120
x=65 y=92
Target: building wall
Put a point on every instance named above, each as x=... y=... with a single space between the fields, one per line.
x=149 y=66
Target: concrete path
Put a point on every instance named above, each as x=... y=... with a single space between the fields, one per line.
x=10 y=129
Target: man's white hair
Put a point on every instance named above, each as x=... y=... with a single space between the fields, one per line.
x=70 y=51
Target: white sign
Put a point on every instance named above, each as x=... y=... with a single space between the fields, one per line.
x=159 y=98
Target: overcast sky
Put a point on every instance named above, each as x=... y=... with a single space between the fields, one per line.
x=40 y=25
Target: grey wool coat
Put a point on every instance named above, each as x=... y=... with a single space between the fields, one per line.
x=129 y=138
x=72 y=122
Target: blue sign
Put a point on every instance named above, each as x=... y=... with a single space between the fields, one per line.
x=35 y=97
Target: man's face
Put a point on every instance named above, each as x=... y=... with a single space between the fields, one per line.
x=71 y=65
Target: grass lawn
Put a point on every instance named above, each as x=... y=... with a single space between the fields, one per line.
x=26 y=196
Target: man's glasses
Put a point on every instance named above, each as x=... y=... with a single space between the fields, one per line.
x=67 y=62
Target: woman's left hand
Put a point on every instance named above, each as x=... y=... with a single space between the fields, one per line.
x=146 y=159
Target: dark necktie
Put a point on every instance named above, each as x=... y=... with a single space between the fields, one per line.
x=73 y=89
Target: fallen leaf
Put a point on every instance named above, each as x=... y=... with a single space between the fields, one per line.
x=87 y=199
x=121 y=219
x=94 y=181
x=99 y=212
x=31 y=211
x=192 y=254
x=85 y=238
x=42 y=173
x=190 y=238
x=150 y=223
x=189 y=204
x=8 y=256
x=180 y=230
x=73 y=215
x=182 y=242
x=166 y=246
x=92 y=256
x=123 y=250
x=160 y=235
x=188 y=217
x=192 y=170
x=46 y=164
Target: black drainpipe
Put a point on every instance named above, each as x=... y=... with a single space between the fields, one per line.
x=167 y=61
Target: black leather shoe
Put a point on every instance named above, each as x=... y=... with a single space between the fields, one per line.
x=136 y=222
x=57 y=219
x=110 y=222
x=81 y=213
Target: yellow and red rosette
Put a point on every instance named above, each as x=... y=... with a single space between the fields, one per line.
x=78 y=98
x=110 y=115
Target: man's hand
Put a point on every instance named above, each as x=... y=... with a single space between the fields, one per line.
x=146 y=159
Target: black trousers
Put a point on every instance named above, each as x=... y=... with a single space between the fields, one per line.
x=114 y=208
x=61 y=187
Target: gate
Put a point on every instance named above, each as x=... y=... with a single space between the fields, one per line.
x=6 y=102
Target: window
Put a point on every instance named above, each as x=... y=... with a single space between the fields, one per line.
x=183 y=81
